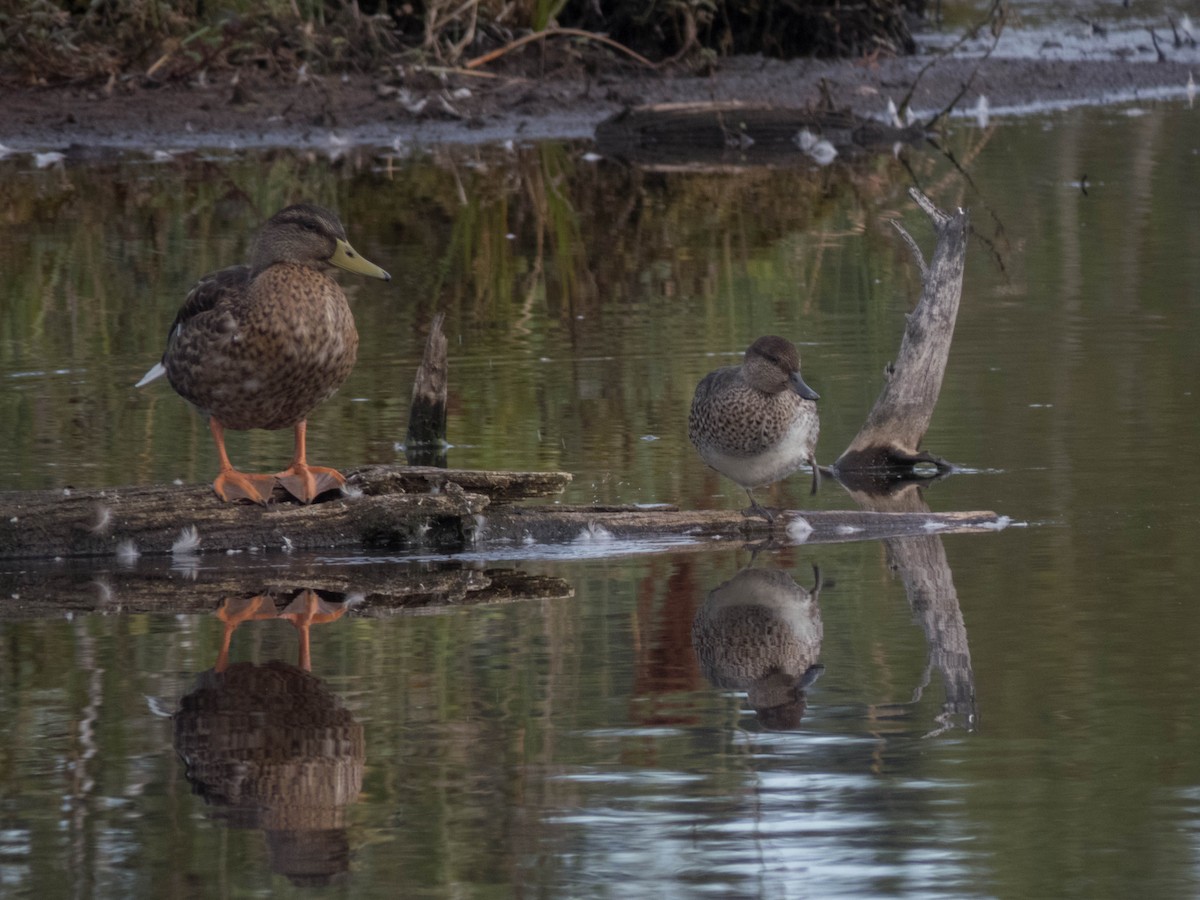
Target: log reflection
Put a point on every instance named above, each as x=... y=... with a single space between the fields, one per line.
x=272 y=748
x=760 y=632
x=921 y=564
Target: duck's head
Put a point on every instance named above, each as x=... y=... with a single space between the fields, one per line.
x=309 y=235
x=772 y=365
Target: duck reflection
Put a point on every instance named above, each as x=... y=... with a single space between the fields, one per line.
x=761 y=632
x=273 y=748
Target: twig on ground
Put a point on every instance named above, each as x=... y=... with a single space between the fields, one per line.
x=556 y=32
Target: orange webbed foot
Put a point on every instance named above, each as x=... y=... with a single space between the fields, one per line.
x=306 y=483
x=234 y=485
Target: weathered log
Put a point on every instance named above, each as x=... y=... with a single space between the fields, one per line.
x=892 y=434
x=128 y=521
x=425 y=443
x=398 y=507
x=730 y=136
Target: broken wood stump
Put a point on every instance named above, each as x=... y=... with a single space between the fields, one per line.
x=890 y=439
x=425 y=443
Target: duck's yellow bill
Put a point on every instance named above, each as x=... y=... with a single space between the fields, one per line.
x=346 y=257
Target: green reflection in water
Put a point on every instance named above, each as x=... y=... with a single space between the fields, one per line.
x=1071 y=385
x=582 y=300
x=543 y=747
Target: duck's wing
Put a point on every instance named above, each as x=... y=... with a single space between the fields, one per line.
x=208 y=292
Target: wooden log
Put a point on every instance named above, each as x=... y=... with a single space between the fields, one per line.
x=588 y=525
x=425 y=443
x=729 y=136
x=892 y=434
x=398 y=507
x=126 y=522
x=498 y=487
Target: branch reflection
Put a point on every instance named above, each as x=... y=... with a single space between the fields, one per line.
x=929 y=584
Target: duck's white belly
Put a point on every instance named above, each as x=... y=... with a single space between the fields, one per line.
x=787 y=455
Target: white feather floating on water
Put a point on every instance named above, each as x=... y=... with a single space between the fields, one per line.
x=188 y=541
x=102 y=522
x=799 y=529
x=981 y=111
x=593 y=531
x=127 y=552
x=820 y=150
x=893 y=114
x=158 y=708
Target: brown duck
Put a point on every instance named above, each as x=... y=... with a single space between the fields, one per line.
x=757 y=423
x=261 y=346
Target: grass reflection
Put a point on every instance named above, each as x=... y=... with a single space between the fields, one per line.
x=580 y=296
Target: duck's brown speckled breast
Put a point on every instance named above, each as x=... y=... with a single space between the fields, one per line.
x=267 y=357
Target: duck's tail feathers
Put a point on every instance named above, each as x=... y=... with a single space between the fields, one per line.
x=158 y=370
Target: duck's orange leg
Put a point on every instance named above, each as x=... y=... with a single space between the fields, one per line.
x=232 y=484
x=305 y=482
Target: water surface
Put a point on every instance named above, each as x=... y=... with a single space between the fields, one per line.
x=1020 y=723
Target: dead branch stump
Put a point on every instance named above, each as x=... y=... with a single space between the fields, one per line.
x=892 y=434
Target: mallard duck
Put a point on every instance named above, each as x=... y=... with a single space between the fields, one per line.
x=261 y=346
x=757 y=423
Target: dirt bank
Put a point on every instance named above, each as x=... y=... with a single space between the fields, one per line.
x=421 y=108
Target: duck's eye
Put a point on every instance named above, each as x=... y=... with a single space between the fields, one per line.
x=309 y=226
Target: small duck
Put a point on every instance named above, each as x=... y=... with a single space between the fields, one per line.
x=757 y=423
x=261 y=346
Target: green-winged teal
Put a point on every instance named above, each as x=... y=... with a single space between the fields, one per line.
x=757 y=423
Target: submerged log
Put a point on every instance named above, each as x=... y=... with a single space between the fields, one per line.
x=731 y=135
x=891 y=436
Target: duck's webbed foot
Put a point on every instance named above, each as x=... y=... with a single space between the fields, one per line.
x=231 y=484
x=306 y=483
x=757 y=509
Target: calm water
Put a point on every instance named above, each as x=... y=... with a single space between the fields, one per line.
x=998 y=715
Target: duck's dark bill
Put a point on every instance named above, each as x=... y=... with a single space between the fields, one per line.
x=803 y=389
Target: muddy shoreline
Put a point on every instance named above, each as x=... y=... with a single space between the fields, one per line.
x=422 y=109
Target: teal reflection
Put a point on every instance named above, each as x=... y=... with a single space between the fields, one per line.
x=761 y=632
